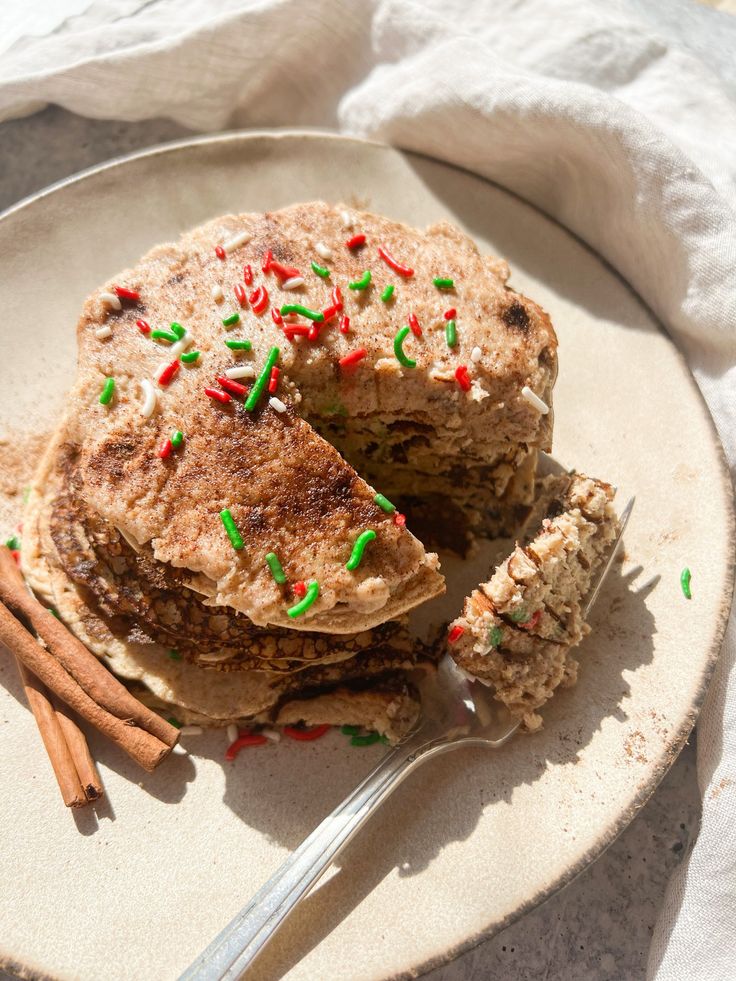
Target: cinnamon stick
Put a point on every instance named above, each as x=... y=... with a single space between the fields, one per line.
x=56 y=745
x=79 y=749
x=75 y=675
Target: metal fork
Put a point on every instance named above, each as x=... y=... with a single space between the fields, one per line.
x=455 y=713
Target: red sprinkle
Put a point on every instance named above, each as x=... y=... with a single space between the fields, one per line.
x=533 y=620
x=353 y=358
x=305 y=735
x=344 y=324
x=273 y=381
x=235 y=388
x=16 y=555
x=399 y=519
x=337 y=298
x=414 y=325
x=169 y=371
x=164 y=449
x=398 y=267
x=313 y=334
x=461 y=375
x=450 y=314
x=267 y=260
x=259 y=299
x=355 y=242
x=240 y=294
x=246 y=739
x=247 y=275
x=282 y=271
x=455 y=634
x=143 y=326
x=277 y=318
x=296 y=330
x=125 y=294
x=300 y=588
x=218 y=396
x=329 y=312
x=219 y=252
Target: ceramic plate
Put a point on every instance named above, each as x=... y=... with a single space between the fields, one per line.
x=475 y=838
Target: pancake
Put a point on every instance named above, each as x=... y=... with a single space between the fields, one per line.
x=517 y=630
x=466 y=441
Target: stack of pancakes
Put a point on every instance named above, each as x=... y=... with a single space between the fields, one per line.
x=126 y=542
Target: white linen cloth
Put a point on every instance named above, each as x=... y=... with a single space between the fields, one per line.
x=616 y=118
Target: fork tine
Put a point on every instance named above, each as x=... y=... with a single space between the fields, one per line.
x=624 y=520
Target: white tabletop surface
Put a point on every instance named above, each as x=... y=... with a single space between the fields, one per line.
x=600 y=926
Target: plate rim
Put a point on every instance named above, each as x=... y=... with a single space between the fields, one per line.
x=680 y=735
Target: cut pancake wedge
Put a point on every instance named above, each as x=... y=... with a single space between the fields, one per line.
x=517 y=629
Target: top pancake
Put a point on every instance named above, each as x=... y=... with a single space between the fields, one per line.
x=288 y=490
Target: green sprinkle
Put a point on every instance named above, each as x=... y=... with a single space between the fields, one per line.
x=520 y=615
x=174 y=722
x=272 y=560
x=174 y=655
x=368 y=740
x=388 y=293
x=303 y=605
x=383 y=739
x=190 y=357
x=13 y=544
x=444 y=283
x=685 y=583
x=164 y=335
x=54 y=612
x=260 y=383
x=177 y=438
x=178 y=330
x=238 y=345
x=334 y=409
x=234 y=318
x=315 y=315
x=494 y=636
x=230 y=527
x=451 y=333
x=384 y=503
x=358 y=548
x=399 y=349
x=322 y=271
x=360 y=284
x=350 y=730
x=108 y=389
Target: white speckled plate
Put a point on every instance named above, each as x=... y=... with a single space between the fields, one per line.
x=474 y=839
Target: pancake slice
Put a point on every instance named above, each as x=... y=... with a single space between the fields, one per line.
x=516 y=631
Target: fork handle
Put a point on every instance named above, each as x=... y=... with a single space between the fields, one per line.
x=236 y=947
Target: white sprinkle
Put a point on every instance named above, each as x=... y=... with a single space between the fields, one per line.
x=181 y=345
x=241 y=371
x=293 y=283
x=271 y=734
x=476 y=354
x=232 y=732
x=534 y=400
x=111 y=300
x=103 y=332
x=217 y=295
x=276 y=404
x=191 y=731
x=323 y=251
x=150 y=400
x=347 y=219
x=236 y=241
